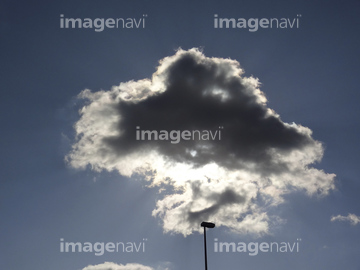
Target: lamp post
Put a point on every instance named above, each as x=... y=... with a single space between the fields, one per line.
x=206 y=225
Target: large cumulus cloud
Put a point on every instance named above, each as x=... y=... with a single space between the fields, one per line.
x=231 y=180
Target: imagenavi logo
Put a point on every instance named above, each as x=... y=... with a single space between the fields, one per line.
x=253 y=24
x=99 y=24
x=253 y=248
x=99 y=248
x=175 y=136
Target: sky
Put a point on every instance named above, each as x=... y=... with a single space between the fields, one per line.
x=122 y=132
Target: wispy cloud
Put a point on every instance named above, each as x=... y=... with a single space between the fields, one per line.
x=232 y=181
x=352 y=218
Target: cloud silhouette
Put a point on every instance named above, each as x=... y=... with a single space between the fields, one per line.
x=231 y=178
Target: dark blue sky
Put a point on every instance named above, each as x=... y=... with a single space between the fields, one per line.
x=309 y=76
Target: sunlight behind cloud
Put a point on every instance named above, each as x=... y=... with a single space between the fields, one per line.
x=232 y=180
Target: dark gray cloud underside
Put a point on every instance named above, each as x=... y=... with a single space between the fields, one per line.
x=186 y=106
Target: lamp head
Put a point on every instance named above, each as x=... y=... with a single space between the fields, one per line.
x=207 y=224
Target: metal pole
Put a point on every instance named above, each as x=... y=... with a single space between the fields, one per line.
x=205 y=248
x=206 y=225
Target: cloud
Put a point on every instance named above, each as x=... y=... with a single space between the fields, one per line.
x=232 y=178
x=352 y=218
x=114 y=266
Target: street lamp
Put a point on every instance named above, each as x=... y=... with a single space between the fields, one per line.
x=206 y=225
